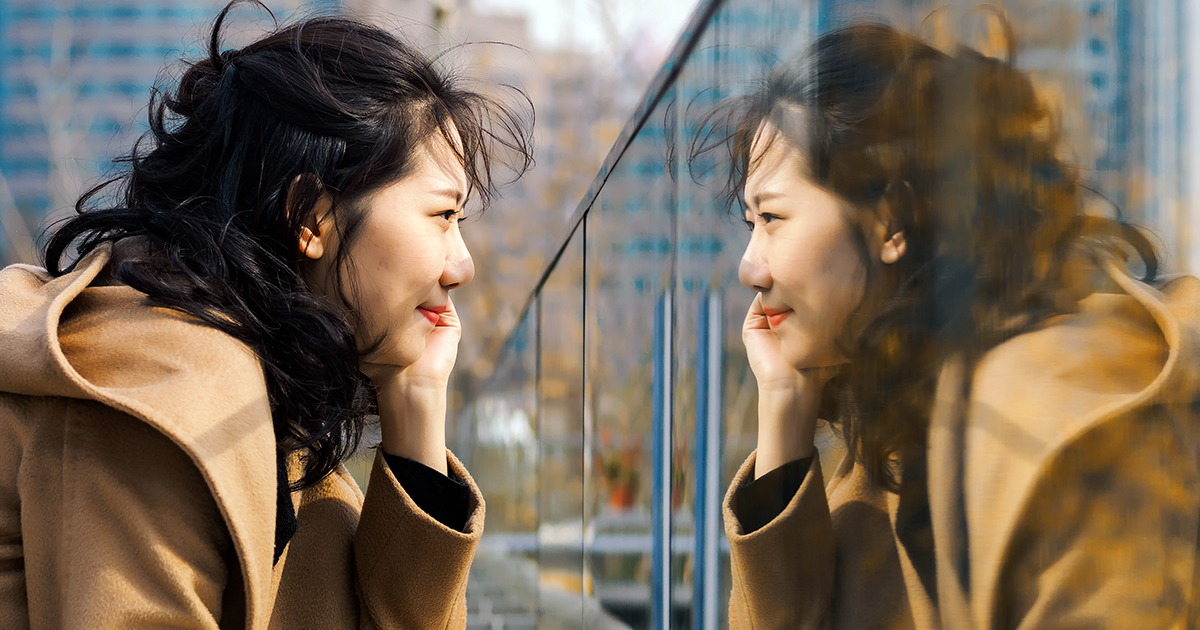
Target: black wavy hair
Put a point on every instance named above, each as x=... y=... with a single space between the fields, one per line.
x=327 y=105
x=960 y=153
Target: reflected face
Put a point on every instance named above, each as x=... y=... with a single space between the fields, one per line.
x=802 y=257
x=407 y=255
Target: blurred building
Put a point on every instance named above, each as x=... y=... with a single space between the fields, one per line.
x=74 y=79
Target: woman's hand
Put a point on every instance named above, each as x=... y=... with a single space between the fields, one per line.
x=788 y=397
x=433 y=369
x=412 y=398
x=765 y=353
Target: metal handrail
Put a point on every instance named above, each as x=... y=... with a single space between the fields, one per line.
x=662 y=82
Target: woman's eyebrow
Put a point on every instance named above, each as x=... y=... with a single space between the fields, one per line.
x=766 y=195
x=452 y=193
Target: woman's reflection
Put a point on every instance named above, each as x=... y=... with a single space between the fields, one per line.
x=1016 y=405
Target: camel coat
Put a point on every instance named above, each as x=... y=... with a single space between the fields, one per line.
x=1069 y=497
x=138 y=484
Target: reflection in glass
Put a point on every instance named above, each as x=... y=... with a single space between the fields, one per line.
x=931 y=279
x=629 y=375
x=654 y=404
x=715 y=394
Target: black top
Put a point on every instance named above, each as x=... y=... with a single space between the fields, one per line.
x=444 y=498
x=760 y=501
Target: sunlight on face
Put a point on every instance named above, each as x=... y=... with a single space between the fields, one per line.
x=408 y=255
x=802 y=257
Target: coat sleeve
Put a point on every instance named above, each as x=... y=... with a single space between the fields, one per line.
x=120 y=529
x=828 y=561
x=783 y=572
x=411 y=569
x=1109 y=536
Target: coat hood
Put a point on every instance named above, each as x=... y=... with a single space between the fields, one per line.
x=198 y=386
x=1036 y=395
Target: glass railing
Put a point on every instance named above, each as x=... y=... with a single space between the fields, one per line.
x=622 y=404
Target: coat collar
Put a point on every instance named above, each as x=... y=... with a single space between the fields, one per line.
x=195 y=384
x=1029 y=399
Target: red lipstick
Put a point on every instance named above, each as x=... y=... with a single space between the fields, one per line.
x=775 y=319
x=432 y=313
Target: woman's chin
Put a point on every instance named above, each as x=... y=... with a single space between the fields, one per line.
x=401 y=353
x=809 y=358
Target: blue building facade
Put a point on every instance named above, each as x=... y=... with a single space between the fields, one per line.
x=75 y=78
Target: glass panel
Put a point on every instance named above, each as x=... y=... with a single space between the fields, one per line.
x=499 y=444
x=716 y=407
x=647 y=403
x=562 y=581
x=630 y=243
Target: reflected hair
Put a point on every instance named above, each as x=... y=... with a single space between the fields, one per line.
x=238 y=154
x=957 y=151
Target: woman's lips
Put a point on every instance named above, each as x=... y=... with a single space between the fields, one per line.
x=775 y=319
x=432 y=315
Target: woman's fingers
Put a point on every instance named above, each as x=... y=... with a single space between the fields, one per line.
x=756 y=317
x=449 y=317
x=763 y=348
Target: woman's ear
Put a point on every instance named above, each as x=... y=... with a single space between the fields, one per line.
x=894 y=247
x=316 y=229
x=889 y=229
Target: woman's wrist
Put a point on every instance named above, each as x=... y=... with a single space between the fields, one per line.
x=412 y=421
x=787 y=425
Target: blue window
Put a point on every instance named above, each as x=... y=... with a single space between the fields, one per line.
x=130 y=89
x=127 y=12
x=26 y=165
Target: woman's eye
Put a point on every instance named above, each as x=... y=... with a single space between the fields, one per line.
x=767 y=217
x=449 y=215
x=749 y=224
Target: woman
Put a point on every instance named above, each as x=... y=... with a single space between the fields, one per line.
x=1017 y=408
x=273 y=266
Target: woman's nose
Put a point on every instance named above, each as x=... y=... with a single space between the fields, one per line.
x=460 y=268
x=753 y=271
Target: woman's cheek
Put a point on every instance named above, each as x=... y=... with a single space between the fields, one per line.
x=421 y=260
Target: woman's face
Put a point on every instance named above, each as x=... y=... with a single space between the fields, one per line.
x=406 y=256
x=802 y=256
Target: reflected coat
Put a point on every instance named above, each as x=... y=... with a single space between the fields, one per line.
x=1067 y=497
